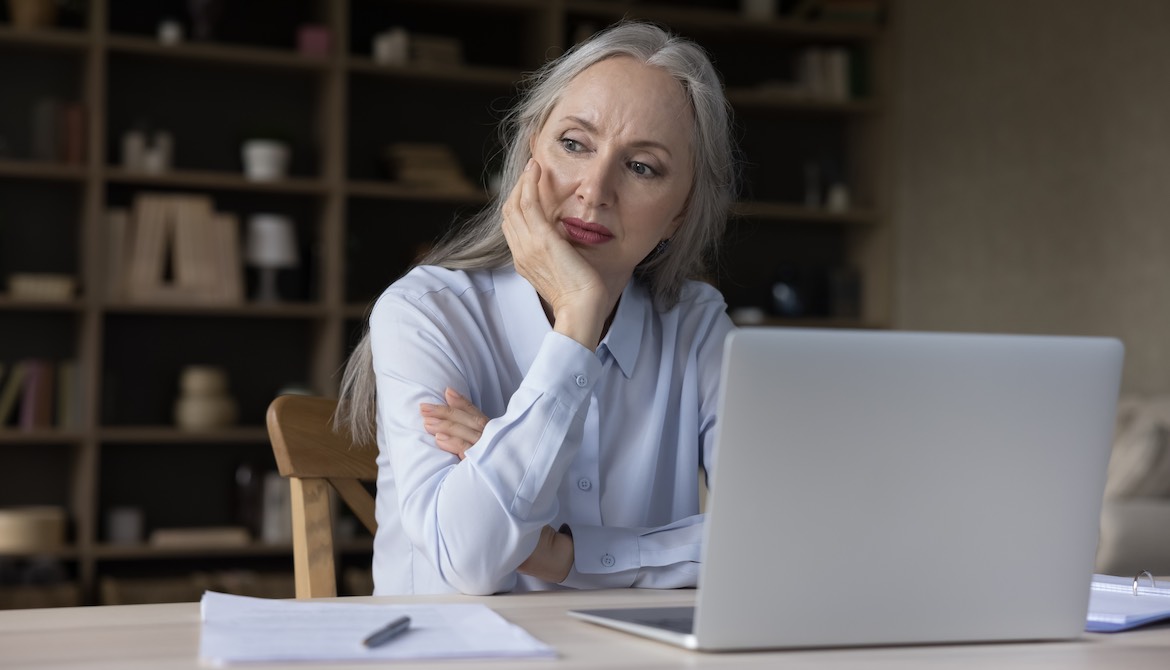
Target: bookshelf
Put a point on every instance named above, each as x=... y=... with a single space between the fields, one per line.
x=356 y=229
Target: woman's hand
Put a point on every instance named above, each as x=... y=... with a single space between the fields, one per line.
x=455 y=426
x=552 y=559
x=573 y=290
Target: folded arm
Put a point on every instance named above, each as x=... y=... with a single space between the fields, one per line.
x=477 y=519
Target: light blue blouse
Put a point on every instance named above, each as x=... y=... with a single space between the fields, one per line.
x=610 y=442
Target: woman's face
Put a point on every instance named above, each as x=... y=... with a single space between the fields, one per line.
x=616 y=168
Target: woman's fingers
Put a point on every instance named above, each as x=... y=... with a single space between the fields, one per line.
x=524 y=225
x=465 y=409
x=554 y=267
x=456 y=426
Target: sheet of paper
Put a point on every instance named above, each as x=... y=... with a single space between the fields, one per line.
x=239 y=629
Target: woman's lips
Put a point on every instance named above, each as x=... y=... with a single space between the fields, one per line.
x=585 y=232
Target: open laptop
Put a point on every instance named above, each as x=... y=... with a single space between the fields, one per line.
x=885 y=488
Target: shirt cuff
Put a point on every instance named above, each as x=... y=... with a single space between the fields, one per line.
x=603 y=558
x=563 y=368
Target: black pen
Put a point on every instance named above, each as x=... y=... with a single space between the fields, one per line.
x=387 y=633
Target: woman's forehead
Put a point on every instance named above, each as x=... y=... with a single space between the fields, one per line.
x=624 y=92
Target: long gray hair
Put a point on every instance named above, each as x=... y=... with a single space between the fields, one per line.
x=480 y=244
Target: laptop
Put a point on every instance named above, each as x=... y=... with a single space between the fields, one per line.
x=892 y=488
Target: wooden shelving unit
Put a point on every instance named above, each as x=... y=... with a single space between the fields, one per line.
x=357 y=230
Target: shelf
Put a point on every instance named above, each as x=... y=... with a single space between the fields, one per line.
x=227 y=181
x=801 y=214
x=471 y=75
x=251 y=310
x=10 y=304
x=163 y=435
x=705 y=21
x=61 y=40
x=40 y=436
x=235 y=56
x=391 y=191
x=66 y=553
x=136 y=552
x=24 y=169
x=354 y=230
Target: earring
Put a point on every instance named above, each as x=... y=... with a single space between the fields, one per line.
x=662 y=247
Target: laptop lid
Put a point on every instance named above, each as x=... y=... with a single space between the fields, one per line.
x=877 y=488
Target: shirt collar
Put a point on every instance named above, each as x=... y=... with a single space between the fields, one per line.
x=624 y=338
x=527 y=325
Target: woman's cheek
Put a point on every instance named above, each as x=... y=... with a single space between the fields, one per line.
x=551 y=185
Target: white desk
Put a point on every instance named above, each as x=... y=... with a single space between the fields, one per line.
x=166 y=637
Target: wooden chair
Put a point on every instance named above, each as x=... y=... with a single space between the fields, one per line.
x=314 y=457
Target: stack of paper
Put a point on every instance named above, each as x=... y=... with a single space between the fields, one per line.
x=1113 y=605
x=238 y=629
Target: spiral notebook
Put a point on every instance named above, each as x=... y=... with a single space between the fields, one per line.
x=1122 y=603
x=878 y=488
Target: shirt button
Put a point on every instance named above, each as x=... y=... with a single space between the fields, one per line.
x=582 y=380
x=607 y=561
x=584 y=484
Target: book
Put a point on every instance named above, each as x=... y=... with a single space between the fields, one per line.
x=193 y=253
x=73 y=133
x=68 y=414
x=117 y=234
x=1121 y=603
x=230 y=270
x=148 y=247
x=37 y=398
x=10 y=393
x=211 y=536
x=180 y=250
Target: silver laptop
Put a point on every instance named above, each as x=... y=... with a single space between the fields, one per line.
x=887 y=488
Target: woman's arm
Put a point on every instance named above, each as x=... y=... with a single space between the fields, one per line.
x=478 y=519
x=589 y=556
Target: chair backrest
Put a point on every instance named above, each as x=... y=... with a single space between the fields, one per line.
x=313 y=457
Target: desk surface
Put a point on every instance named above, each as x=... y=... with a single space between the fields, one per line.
x=166 y=637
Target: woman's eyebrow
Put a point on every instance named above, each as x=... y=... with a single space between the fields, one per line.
x=640 y=144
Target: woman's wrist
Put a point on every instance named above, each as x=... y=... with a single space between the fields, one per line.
x=552 y=559
x=584 y=324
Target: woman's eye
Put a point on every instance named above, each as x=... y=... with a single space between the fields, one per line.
x=572 y=146
x=641 y=169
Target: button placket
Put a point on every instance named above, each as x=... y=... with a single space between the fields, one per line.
x=584 y=501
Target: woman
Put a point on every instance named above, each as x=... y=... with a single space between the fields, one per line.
x=550 y=366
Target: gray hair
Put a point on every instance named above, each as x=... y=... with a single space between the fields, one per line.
x=480 y=244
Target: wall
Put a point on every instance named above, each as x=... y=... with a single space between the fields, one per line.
x=1033 y=171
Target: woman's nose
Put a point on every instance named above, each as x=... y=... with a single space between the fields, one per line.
x=595 y=186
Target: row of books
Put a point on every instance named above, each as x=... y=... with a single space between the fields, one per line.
x=58 y=131
x=426 y=165
x=38 y=393
x=174 y=248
